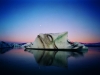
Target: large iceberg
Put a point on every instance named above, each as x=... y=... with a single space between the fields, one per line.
x=53 y=41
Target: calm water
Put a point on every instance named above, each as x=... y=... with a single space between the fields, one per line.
x=20 y=62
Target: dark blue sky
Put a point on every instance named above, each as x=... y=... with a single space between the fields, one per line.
x=28 y=18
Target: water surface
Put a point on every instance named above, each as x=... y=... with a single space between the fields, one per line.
x=20 y=62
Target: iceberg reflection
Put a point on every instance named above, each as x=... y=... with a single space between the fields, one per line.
x=54 y=57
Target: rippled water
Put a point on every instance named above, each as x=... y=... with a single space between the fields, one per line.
x=20 y=62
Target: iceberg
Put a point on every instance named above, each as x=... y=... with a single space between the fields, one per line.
x=9 y=45
x=53 y=41
x=5 y=44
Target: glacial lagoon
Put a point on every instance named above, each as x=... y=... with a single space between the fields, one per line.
x=20 y=62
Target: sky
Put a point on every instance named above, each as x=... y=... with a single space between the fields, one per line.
x=23 y=20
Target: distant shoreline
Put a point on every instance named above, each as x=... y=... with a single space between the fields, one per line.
x=92 y=45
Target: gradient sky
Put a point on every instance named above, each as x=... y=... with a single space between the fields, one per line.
x=23 y=20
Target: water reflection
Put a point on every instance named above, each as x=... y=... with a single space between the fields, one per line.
x=18 y=61
x=4 y=50
x=54 y=57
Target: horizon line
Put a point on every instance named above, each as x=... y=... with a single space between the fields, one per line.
x=28 y=42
